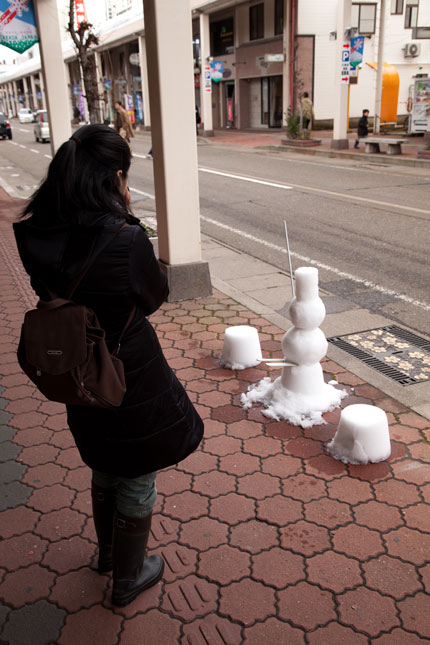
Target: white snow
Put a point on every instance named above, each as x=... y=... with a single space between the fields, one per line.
x=362 y=435
x=241 y=348
x=300 y=394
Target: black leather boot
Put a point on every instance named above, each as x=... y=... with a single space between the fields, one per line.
x=103 y=500
x=132 y=572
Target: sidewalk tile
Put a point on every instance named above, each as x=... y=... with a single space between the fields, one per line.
x=368 y=611
x=247 y=602
x=306 y=606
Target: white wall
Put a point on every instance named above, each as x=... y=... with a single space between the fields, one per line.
x=319 y=18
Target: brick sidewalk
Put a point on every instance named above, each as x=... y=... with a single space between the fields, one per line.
x=266 y=538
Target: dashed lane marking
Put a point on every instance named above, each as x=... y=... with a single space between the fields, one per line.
x=320 y=265
x=141 y=192
x=35 y=151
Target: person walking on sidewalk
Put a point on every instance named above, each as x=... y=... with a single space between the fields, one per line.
x=80 y=217
x=123 y=124
x=362 y=128
x=307 y=111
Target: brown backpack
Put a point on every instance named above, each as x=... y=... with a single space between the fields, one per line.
x=62 y=349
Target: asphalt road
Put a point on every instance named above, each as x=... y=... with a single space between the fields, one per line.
x=366 y=226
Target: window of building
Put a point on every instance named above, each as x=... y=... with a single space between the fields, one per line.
x=279 y=17
x=222 y=37
x=363 y=17
x=411 y=14
x=397 y=6
x=256 y=21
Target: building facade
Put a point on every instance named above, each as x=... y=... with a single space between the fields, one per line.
x=261 y=56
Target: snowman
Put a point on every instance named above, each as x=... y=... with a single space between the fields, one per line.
x=300 y=394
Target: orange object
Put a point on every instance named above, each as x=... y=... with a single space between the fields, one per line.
x=390 y=92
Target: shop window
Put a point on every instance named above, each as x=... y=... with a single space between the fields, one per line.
x=363 y=18
x=279 y=17
x=256 y=21
x=222 y=37
x=397 y=6
x=411 y=14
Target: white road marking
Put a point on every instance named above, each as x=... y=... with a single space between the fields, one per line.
x=320 y=265
x=348 y=196
x=14 y=143
x=253 y=180
x=141 y=192
x=48 y=156
x=135 y=154
x=21 y=146
x=8 y=188
x=33 y=150
x=23 y=130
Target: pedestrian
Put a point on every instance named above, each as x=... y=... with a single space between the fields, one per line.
x=307 y=111
x=198 y=120
x=80 y=217
x=123 y=124
x=362 y=128
x=149 y=155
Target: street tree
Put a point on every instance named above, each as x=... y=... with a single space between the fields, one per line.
x=84 y=39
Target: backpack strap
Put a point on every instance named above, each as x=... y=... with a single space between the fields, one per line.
x=126 y=326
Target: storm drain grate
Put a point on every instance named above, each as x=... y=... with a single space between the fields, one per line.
x=396 y=353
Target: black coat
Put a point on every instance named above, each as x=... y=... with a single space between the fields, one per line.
x=156 y=425
x=363 y=128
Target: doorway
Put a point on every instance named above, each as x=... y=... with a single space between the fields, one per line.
x=229 y=104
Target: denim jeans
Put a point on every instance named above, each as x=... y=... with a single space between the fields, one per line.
x=135 y=497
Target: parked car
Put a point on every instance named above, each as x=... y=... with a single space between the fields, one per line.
x=25 y=115
x=5 y=129
x=41 y=127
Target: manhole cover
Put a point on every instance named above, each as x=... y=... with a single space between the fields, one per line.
x=397 y=353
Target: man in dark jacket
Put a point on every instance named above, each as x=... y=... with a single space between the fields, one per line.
x=363 y=128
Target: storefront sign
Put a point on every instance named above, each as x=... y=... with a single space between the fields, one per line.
x=356 y=52
x=134 y=59
x=207 y=79
x=274 y=58
x=139 y=106
x=18 y=25
x=81 y=15
x=344 y=72
x=129 y=106
x=107 y=83
x=217 y=67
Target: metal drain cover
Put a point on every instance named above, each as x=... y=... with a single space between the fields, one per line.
x=397 y=353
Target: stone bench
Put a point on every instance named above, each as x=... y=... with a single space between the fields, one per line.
x=394 y=145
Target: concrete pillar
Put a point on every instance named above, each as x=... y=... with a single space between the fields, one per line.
x=33 y=93
x=9 y=100
x=26 y=92
x=69 y=90
x=144 y=75
x=54 y=71
x=168 y=42
x=205 y=87
x=288 y=49
x=380 y=68
x=15 y=97
x=340 y=126
x=42 y=90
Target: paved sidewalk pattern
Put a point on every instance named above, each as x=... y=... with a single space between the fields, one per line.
x=266 y=538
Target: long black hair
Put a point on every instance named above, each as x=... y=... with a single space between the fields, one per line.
x=82 y=179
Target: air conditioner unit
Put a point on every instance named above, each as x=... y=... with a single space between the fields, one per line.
x=412 y=50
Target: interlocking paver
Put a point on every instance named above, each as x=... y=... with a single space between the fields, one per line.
x=306 y=606
x=368 y=611
x=266 y=538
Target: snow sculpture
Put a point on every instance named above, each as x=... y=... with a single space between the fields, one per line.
x=362 y=435
x=241 y=348
x=300 y=394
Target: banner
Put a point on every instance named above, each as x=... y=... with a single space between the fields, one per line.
x=356 y=53
x=81 y=15
x=18 y=25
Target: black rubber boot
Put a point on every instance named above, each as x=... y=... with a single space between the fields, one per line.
x=132 y=572
x=103 y=500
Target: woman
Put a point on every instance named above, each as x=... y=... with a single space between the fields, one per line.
x=80 y=217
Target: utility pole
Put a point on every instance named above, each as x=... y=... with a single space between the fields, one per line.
x=380 y=68
x=340 y=125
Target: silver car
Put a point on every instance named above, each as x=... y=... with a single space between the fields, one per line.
x=41 y=127
x=25 y=115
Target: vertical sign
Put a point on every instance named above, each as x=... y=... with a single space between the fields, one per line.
x=207 y=79
x=81 y=15
x=18 y=25
x=344 y=72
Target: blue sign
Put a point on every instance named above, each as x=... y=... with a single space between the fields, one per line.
x=217 y=68
x=345 y=56
x=139 y=106
x=357 y=48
